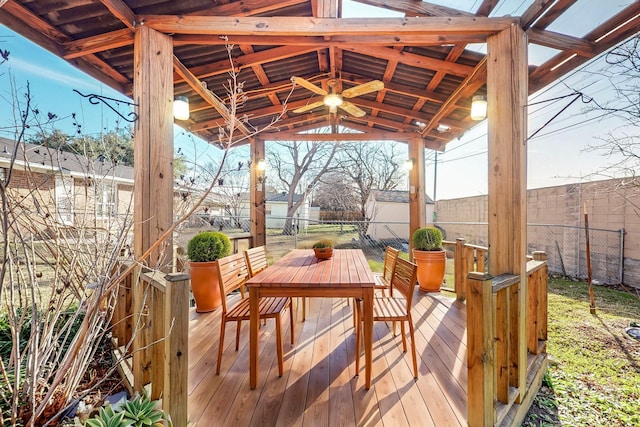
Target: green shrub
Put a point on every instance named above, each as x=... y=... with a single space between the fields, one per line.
x=427 y=239
x=323 y=243
x=208 y=246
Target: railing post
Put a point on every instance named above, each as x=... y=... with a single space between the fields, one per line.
x=480 y=350
x=459 y=270
x=140 y=365
x=176 y=348
x=543 y=291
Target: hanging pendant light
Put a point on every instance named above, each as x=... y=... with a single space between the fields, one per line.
x=478 y=108
x=181 y=107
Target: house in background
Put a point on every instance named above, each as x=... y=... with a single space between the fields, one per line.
x=276 y=209
x=389 y=213
x=65 y=188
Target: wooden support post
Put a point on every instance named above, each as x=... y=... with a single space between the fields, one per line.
x=176 y=348
x=257 y=194
x=153 y=145
x=481 y=382
x=507 y=81
x=417 y=197
x=153 y=172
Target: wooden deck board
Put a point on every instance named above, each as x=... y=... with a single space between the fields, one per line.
x=319 y=386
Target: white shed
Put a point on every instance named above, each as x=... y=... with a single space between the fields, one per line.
x=389 y=213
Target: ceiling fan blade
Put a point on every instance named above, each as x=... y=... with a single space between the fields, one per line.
x=372 y=86
x=352 y=109
x=308 y=85
x=309 y=107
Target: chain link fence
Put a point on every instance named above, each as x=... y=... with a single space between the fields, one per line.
x=565 y=246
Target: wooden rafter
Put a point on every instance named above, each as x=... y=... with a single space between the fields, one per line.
x=120 y=10
x=207 y=95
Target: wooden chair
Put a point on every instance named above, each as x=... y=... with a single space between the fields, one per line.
x=393 y=309
x=256 y=260
x=232 y=275
x=383 y=280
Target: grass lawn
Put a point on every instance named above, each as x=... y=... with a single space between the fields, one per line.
x=594 y=374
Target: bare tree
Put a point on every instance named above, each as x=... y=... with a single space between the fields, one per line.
x=298 y=167
x=54 y=335
x=335 y=193
x=370 y=167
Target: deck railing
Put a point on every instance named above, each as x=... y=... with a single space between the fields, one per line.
x=506 y=343
x=466 y=258
x=151 y=333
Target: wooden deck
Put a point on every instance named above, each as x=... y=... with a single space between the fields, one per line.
x=319 y=386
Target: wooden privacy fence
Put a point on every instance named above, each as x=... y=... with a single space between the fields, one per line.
x=150 y=327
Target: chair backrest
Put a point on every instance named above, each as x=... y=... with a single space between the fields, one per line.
x=232 y=274
x=404 y=279
x=390 y=257
x=256 y=260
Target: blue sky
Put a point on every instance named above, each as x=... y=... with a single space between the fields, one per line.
x=555 y=157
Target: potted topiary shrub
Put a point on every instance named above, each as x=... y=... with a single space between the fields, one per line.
x=323 y=249
x=203 y=251
x=429 y=257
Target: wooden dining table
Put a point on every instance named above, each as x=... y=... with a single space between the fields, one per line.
x=300 y=274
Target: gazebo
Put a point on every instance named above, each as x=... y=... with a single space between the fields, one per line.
x=155 y=51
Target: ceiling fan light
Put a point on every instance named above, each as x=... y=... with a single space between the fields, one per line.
x=332 y=100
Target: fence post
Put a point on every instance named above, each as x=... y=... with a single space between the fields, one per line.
x=176 y=348
x=481 y=380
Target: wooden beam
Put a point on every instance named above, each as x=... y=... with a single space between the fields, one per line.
x=335 y=40
x=616 y=29
x=120 y=10
x=401 y=89
x=244 y=61
x=415 y=8
x=354 y=27
x=561 y=42
x=469 y=85
x=553 y=13
x=537 y=9
x=98 y=43
x=373 y=135
x=21 y=20
x=251 y=114
x=413 y=60
x=399 y=111
x=246 y=7
x=486 y=7
x=208 y=96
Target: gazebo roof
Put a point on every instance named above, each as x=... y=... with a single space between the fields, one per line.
x=429 y=72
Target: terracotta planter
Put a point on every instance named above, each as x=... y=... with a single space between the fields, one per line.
x=204 y=285
x=431 y=267
x=323 y=253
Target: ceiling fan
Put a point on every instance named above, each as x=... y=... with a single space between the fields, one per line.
x=336 y=100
